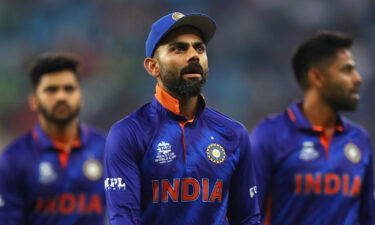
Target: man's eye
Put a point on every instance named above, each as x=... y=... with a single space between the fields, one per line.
x=51 y=89
x=201 y=49
x=179 y=49
x=348 y=69
x=69 y=88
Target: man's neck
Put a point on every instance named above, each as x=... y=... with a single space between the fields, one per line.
x=65 y=134
x=319 y=113
x=188 y=107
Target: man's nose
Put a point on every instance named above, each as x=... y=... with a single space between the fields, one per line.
x=193 y=55
x=61 y=94
x=357 y=78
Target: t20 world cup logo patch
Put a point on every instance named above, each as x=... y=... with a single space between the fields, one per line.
x=216 y=153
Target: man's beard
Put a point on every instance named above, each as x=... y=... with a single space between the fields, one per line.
x=59 y=120
x=340 y=99
x=173 y=80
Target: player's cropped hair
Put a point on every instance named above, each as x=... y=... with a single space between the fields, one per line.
x=51 y=63
x=322 y=46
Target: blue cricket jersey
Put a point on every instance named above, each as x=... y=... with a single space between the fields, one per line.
x=42 y=185
x=306 y=178
x=164 y=170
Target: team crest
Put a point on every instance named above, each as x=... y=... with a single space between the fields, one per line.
x=216 y=153
x=352 y=153
x=46 y=173
x=92 y=169
x=177 y=15
x=164 y=153
x=308 y=151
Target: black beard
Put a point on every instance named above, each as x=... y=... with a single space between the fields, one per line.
x=181 y=87
x=342 y=104
x=58 y=121
x=339 y=100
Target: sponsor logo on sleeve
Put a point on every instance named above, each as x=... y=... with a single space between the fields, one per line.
x=114 y=184
x=253 y=191
x=2 y=203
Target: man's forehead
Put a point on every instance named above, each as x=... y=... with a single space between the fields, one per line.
x=58 y=78
x=181 y=34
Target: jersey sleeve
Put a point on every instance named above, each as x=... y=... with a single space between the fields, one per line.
x=11 y=196
x=122 y=181
x=367 y=203
x=261 y=148
x=243 y=203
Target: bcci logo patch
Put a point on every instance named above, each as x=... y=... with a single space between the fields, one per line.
x=93 y=169
x=215 y=153
x=352 y=153
x=177 y=15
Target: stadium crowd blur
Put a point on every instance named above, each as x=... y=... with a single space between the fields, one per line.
x=250 y=73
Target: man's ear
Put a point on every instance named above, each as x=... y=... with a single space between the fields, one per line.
x=33 y=102
x=152 y=67
x=315 y=78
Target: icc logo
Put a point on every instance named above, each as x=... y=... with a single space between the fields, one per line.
x=114 y=184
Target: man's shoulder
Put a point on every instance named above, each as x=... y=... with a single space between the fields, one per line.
x=94 y=132
x=354 y=126
x=272 y=123
x=217 y=118
x=18 y=148
x=134 y=121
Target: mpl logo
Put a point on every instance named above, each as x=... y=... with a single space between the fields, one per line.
x=114 y=184
x=2 y=203
x=253 y=191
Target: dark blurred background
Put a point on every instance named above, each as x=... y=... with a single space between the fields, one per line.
x=250 y=73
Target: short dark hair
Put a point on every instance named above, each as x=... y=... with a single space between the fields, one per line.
x=51 y=63
x=322 y=46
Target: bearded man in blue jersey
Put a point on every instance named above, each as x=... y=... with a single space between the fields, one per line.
x=313 y=165
x=176 y=161
x=53 y=174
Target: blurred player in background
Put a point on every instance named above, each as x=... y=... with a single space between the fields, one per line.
x=313 y=165
x=176 y=161
x=53 y=174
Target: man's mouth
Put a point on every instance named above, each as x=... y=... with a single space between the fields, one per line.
x=355 y=94
x=192 y=75
x=61 y=108
x=192 y=71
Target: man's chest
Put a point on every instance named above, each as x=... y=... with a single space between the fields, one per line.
x=307 y=164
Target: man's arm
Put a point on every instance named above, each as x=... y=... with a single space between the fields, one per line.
x=122 y=176
x=243 y=201
x=11 y=196
x=260 y=143
x=367 y=205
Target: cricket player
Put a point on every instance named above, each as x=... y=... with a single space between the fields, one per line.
x=53 y=175
x=176 y=161
x=313 y=165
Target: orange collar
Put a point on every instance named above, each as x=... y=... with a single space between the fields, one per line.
x=167 y=101
x=62 y=146
x=173 y=105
